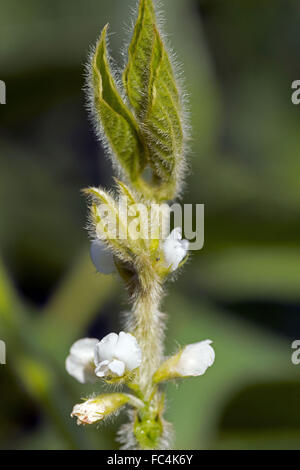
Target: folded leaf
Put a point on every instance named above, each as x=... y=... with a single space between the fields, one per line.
x=162 y=125
x=137 y=73
x=151 y=87
x=119 y=125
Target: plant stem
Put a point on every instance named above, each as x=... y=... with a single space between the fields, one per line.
x=147 y=324
x=148 y=327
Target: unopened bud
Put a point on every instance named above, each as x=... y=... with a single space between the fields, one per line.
x=96 y=409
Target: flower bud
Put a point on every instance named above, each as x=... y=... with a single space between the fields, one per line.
x=117 y=355
x=175 y=249
x=96 y=409
x=80 y=362
x=192 y=361
x=102 y=258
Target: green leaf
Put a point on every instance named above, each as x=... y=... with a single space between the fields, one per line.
x=151 y=87
x=118 y=123
x=137 y=73
x=163 y=125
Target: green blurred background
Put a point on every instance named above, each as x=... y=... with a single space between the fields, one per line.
x=242 y=290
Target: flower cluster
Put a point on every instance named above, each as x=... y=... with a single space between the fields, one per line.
x=174 y=251
x=119 y=355
x=123 y=228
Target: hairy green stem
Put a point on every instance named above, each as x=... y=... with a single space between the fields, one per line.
x=148 y=327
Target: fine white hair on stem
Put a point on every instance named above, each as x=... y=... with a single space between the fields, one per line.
x=127 y=439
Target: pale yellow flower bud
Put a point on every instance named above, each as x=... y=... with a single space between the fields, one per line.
x=96 y=409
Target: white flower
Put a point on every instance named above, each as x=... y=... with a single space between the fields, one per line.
x=175 y=249
x=80 y=362
x=195 y=359
x=117 y=354
x=102 y=259
x=89 y=412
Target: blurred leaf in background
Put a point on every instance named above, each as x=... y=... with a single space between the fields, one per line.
x=242 y=290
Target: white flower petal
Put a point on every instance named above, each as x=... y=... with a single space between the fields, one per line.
x=84 y=348
x=117 y=354
x=117 y=367
x=102 y=369
x=176 y=234
x=102 y=259
x=195 y=359
x=80 y=362
x=105 y=348
x=175 y=249
x=185 y=245
x=75 y=369
x=128 y=351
